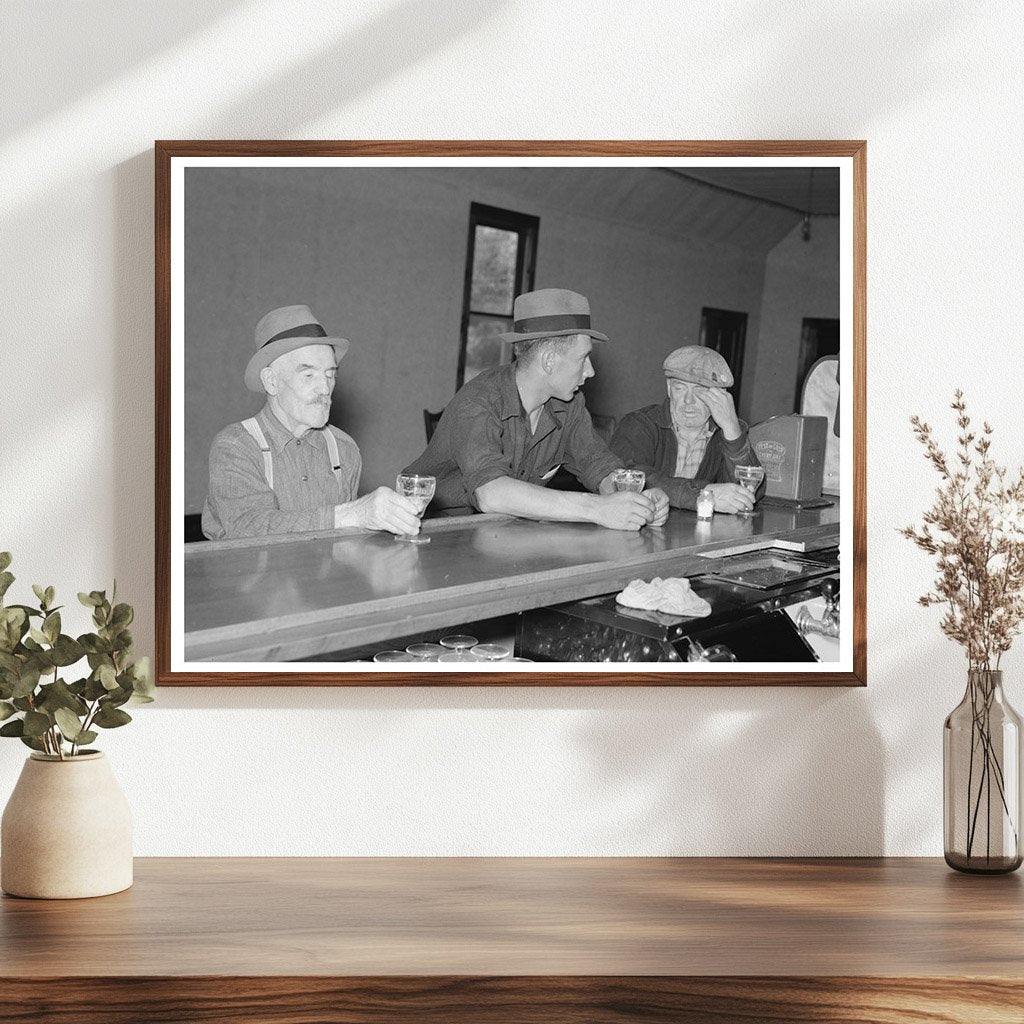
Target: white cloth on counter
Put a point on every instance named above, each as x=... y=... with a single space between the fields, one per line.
x=672 y=595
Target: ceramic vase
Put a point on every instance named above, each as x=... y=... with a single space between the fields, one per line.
x=66 y=830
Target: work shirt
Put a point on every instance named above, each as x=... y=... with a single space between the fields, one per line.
x=240 y=501
x=646 y=439
x=484 y=435
x=691 y=451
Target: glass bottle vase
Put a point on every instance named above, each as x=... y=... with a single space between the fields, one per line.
x=981 y=748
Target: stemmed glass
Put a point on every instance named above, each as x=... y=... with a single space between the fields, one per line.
x=419 y=490
x=749 y=477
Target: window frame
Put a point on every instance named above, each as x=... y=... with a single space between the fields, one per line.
x=527 y=227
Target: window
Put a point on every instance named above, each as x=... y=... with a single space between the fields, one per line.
x=500 y=261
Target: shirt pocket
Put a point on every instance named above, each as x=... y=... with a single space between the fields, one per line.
x=550 y=473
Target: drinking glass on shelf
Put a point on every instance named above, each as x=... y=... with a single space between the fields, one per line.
x=390 y=656
x=426 y=652
x=458 y=642
x=458 y=657
x=490 y=652
x=419 y=490
x=628 y=480
x=749 y=477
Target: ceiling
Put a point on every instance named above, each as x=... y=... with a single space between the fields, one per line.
x=813 y=190
x=749 y=208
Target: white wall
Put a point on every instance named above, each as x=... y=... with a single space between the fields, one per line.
x=937 y=90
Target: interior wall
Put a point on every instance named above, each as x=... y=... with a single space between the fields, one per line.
x=937 y=91
x=380 y=258
x=801 y=280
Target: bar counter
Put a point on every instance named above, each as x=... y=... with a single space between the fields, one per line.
x=299 y=596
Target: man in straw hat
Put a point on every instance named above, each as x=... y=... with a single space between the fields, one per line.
x=505 y=434
x=287 y=470
x=693 y=439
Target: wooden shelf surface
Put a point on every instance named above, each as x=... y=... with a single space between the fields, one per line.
x=533 y=939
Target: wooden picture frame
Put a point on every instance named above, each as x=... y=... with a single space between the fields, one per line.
x=229 y=619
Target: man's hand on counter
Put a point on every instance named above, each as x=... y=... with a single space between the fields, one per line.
x=731 y=498
x=382 y=509
x=659 y=500
x=627 y=510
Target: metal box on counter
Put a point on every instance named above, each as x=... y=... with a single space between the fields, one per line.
x=792 y=451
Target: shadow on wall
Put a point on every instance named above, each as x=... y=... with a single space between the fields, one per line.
x=406 y=33
x=698 y=758
x=87 y=29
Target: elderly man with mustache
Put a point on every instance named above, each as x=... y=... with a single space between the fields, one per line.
x=287 y=470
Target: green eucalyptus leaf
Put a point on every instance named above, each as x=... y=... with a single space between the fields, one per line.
x=6 y=579
x=69 y=724
x=9 y=663
x=39 y=636
x=31 y=741
x=6 y=710
x=115 y=698
x=50 y=595
x=109 y=718
x=94 y=689
x=66 y=651
x=101 y=650
x=122 y=616
x=86 y=736
x=13 y=728
x=5 y=559
x=58 y=695
x=51 y=626
x=40 y=593
x=107 y=676
x=89 y=600
x=36 y=723
x=23 y=703
x=27 y=681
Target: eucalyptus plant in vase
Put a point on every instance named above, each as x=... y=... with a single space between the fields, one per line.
x=66 y=830
x=976 y=532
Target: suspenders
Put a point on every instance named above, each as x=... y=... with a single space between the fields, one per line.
x=256 y=433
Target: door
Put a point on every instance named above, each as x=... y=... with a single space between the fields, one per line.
x=725 y=331
x=819 y=336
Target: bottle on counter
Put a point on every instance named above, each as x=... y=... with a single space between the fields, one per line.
x=705 y=504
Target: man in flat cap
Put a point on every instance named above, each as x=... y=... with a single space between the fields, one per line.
x=287 y=470
x=507 y=431
x=693 y=439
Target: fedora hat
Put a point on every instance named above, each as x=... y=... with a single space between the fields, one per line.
x=284 y=330
x=550 y=313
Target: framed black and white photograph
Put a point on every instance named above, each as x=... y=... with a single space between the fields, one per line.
x=541 y=413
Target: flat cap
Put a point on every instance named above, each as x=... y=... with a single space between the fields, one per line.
x=700 y=365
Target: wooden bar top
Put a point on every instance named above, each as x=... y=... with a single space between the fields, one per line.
x=298 y=596
x=501 y=939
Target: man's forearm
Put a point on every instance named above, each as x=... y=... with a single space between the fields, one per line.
x=529 y=501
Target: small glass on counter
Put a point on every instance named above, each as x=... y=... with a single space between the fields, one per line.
x=628 y=480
